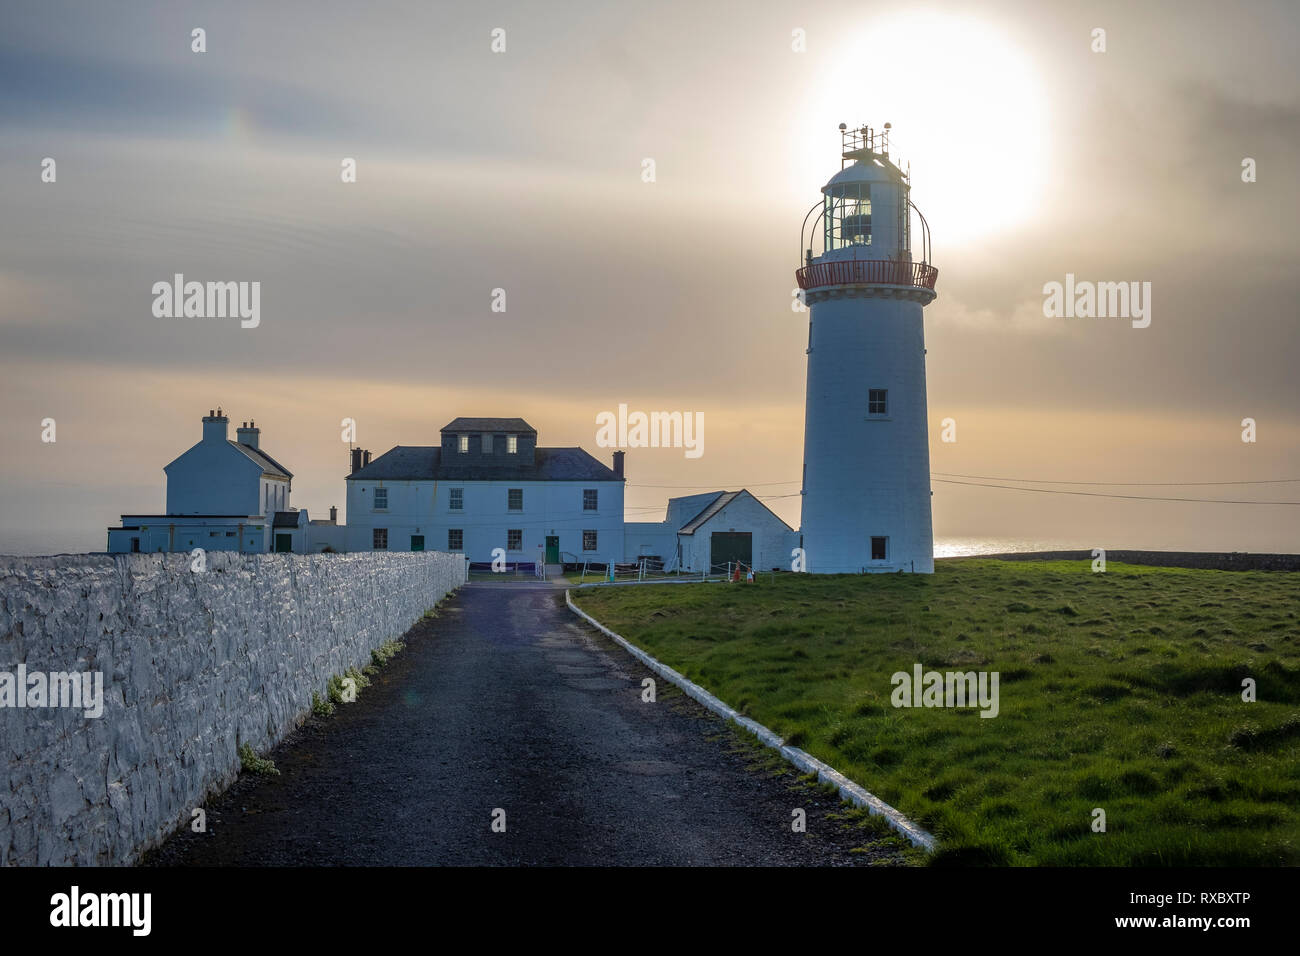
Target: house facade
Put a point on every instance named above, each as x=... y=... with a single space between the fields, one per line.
x=488 y=491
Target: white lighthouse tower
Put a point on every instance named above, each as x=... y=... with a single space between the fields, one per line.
x=866 y=481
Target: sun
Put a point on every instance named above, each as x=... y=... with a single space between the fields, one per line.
x=968 y=111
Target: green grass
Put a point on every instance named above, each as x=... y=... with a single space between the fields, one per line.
x=1119 y=690
x=252 y=763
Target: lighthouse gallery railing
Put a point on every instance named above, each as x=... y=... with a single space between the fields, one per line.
x=867 y=272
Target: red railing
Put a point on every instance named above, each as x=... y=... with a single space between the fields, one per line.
x=867 y=272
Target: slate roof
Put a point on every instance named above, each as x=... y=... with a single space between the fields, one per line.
x=717 y=504
x=424 y=463
x=266 y=462
x=516 y=425
x=724 y=498
x=285 y=519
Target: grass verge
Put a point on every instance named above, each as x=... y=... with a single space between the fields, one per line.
x=1120 y=691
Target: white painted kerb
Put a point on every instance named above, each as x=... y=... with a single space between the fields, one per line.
x=848 y=790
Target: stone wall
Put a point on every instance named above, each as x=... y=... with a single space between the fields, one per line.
x=194 y=665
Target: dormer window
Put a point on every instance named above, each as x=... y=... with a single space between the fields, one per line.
x=462 y=443
x=512 y=444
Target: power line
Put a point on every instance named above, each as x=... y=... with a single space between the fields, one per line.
x=1097 y=494
x=1123 y=484
x=1032 y=481
x=740 y=484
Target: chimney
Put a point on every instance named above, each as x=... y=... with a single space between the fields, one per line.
x=365 y=458
x=334 y=515
x=356 y=458
x=618 y=463
x=214 y=426
x=248 y=434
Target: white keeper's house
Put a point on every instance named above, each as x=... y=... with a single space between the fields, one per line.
x=225 y=495
x=488 y=486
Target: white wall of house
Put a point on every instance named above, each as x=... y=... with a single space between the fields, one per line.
x=484 y=520
x=185 y=533
x=212 y=478
x=648 y=538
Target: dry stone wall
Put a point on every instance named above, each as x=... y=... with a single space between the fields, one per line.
x=194 y=664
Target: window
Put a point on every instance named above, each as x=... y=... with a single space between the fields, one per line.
x=487 y=445
x=877 y=401
x=512 y=444
x=515 y=540
x=847 y=218
x=381 y=498
x=879 y=549
x=588 y=541
x=455 y=539
x=456 y=501
x=589 y=499
x=462 y=443
x=380 y=540
x=515 y=499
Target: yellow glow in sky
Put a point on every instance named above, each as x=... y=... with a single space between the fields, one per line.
x=968 y=112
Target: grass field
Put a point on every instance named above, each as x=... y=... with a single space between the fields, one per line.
x=1120 y=691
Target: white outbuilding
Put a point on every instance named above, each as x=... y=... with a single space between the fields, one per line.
x=712 y=532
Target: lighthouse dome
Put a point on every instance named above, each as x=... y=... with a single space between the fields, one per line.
x=862 y=172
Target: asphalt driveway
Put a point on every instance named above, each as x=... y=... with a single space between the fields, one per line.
x=506 y=701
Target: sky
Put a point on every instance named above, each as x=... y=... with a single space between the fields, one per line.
x=1032 y=155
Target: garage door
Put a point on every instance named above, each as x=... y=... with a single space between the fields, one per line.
x=730 y=547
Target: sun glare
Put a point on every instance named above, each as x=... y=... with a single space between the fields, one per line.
x=967 y=109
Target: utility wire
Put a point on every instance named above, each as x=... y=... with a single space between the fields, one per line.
x=1098 y=494
x=1124 y=484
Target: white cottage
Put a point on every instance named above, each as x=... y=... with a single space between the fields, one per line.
x=708 y=532
x=488 y=488
x=222 y=495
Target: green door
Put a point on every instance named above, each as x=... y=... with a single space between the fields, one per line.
x=417 y=542
x=284 y=543
x=729 y=547
x=552 y=549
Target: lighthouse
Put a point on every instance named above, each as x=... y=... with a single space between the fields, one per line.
x=866 y=466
